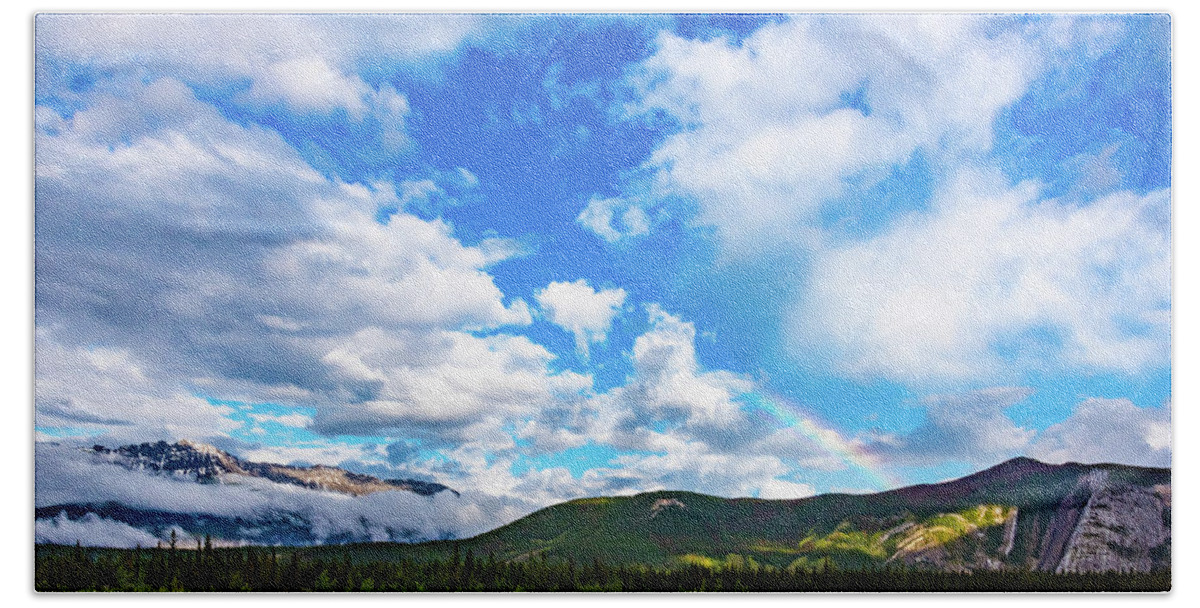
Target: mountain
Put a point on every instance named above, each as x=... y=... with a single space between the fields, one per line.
x=207 y=464
x=1021 y=514
x=200 y=489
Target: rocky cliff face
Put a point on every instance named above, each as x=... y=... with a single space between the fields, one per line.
x=1122 y=528
x=1102 y=524
x=208 y=464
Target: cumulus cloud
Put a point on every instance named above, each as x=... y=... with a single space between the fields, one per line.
x=212 y=259
x=184 y=254
x=351 y=456
x=308 y=85
x=995 y=280
x=671 y=425
x=1109 y=430
x=449 y=381
x=690 y=466
x=684 y=426
x=391 y=109
x=181 y=254
x=669 y=387
x=782 y=127
x=581 y=310
x=769 y=129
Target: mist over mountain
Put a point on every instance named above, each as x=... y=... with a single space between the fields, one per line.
x=139 y=493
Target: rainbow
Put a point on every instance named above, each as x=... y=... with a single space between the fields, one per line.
x=805 y=423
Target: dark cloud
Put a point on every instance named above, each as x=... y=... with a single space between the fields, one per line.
x=54 y=412
x=968 y=427
x=1109 y=430
x=972 y=427
x=400 y=452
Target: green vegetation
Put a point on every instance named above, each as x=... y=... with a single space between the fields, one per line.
x=705 y=531
x=62 y=568
x=944 y=529
x=959 y=536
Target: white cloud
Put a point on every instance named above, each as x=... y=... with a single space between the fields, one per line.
x=672 y=461
x=208 y=258
x=449 y=382
x=310 y=453
x=784 y=125
x=974 y=428
x=581 y=310
x=668 y=384
x=782 y=489
x=307 y=62
x=91 y=531
x=685 y=425
x=766 y=133
x=993 y=281
x=1109 y=430
x=311 y=85
x=391 y=108
x=598 y=217
x=694 y=467
x=408 y=272
x=636 y=221
x=267 y=281
x=600 y=213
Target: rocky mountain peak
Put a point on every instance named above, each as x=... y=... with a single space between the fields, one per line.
x=208 y=464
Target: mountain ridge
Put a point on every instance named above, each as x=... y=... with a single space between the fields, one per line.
x=1021 y=514
x=206 y=464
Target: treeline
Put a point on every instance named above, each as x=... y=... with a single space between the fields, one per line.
x=64 y=568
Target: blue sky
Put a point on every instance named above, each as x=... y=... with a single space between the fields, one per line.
x=556 y=256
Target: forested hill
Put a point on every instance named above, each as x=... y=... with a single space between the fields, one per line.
x=1021 y=514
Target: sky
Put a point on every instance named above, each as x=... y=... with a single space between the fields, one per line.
x=545 y=257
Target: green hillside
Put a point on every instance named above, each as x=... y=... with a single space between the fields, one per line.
x=957 y=525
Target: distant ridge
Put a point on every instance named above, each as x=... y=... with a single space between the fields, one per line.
x=208 y=464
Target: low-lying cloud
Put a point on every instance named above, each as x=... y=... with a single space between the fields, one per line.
x=69 y=475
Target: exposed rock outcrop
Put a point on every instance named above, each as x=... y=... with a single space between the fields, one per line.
x=1120 y=529
x=665 y=503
